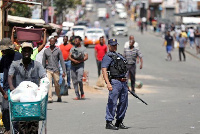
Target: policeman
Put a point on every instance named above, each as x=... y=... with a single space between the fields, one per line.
x=114 y=71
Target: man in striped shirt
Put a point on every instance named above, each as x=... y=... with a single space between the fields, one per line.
x=131 y=54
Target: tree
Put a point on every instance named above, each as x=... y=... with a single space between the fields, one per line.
x=62 y=5
x=20 y=10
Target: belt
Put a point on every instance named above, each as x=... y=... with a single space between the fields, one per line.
x=121 y=79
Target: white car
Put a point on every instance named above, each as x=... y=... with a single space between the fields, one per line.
x=89 y=7
x=92 y=36
x=119 y=28
x=119 y=7
x=123 y=15
x=101 y=13
x=79 y=31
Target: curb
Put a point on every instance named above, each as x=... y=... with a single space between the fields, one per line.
x=193 y=55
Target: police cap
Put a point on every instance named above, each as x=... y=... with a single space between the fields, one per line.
x=112 y=42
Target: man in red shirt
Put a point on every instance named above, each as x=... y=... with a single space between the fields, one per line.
x=65 y=49
x=100 y=51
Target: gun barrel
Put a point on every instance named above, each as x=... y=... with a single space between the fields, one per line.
x=135 y=95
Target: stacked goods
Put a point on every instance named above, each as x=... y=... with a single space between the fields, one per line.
x=28 y=91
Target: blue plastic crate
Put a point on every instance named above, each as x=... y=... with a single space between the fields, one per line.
x=28 y=111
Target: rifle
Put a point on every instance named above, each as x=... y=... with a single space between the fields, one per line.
x=135 y=95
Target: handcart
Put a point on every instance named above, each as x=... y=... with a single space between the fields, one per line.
x=28 y=111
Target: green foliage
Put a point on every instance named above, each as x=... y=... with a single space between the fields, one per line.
x=20 y=10
x=62 y=5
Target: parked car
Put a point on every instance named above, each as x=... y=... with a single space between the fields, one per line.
x=123 y=15
x=92 y=36
x=119 y=28
x=79 y=31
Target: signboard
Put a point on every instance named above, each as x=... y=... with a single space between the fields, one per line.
x=188 y=6
x=36 y=12
x=51 y=10
x=156 y=1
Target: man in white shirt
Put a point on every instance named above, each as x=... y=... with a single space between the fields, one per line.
x=136 y=45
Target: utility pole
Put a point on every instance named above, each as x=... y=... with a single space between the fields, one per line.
x=52 y=11
x=1 y=20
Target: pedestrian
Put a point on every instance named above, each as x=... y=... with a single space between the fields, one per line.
x=142 y=27
x=65 y=49
x=114 y=71
x=106 y=30
x=131 y=38
x=51 y=58
x=78 y=55
x=131 y=55
x=182 y=43
x=9 y=55
x=113 y=13
x=72 y=39
x=197 y=40
x=26 y=69
x=14 y=40
x=191 y=37
x=100 y=51
x=169 y=45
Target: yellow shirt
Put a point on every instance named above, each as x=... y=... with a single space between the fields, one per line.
x=184 y=34
x=0 y=54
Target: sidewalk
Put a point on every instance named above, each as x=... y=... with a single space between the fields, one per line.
x=192 y=52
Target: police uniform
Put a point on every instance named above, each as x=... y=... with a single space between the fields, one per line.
x=116 y=67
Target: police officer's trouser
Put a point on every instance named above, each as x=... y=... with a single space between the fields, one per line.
x=119 y=91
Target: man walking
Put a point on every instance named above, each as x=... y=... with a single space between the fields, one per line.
x=170 y=45
x=26 y=69
x=50 y=61
x=114 y=71
x=182 y=43
x=127 y=44
x=9 y=55
x=106 y=30
x=65 y=49
x=78 y=55
x=131 y=55
x=100 y=51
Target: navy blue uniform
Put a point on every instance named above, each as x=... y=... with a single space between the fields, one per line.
x=119 y=91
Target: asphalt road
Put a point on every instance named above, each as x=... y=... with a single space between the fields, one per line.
x=170 y=88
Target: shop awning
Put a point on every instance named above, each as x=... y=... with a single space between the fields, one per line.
x=25 y=2
x=188 y=14
x=23 y=20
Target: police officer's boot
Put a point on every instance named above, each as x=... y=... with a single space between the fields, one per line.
x=109 y=125
x=120 y=125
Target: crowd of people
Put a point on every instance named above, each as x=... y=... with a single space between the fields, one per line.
x=179 y=38
x=31 y=61
x=56 y=60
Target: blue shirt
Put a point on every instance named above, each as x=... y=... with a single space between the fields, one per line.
x=5 y=65
x=182 y=41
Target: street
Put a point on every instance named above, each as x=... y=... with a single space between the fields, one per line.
x=169 y=87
